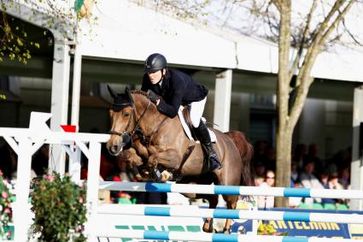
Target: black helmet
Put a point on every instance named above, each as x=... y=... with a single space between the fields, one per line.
x=155 y=62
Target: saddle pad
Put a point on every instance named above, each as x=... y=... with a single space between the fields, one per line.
x=187 y=129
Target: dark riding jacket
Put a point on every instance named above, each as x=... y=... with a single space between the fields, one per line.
x=177 y=89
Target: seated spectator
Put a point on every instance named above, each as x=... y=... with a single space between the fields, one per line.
x=333 y=183
x=309 y=180
x=258 y=180
x=345 y=178
x=267 y=201
x=324 y=179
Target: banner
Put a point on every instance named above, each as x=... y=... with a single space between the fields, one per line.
x=309 y=229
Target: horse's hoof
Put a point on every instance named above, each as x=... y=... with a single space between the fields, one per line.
x=166 y=176
x=208 y=227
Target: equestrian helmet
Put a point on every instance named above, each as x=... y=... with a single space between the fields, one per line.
x=155 y=62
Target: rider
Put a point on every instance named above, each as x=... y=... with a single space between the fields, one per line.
x=168 y=89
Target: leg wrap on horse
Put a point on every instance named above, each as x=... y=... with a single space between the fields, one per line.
x=203 y=136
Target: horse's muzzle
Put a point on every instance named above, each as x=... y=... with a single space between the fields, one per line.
x=124 y=142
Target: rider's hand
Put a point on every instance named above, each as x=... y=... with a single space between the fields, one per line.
x=153 y=96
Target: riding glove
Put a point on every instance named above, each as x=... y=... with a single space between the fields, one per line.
x=152 y=96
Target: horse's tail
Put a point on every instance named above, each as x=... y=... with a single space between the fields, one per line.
x=245 y=149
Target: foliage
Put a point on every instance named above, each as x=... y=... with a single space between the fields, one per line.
x=59 y=208
x=182 y=9
x=17 y=42
x=5 y=208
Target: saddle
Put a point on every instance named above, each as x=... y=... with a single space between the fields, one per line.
x=184 y=117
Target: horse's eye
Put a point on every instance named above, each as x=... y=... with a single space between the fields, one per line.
x=126 y=114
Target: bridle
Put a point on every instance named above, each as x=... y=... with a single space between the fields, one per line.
x=137 y=125
x=137 y=130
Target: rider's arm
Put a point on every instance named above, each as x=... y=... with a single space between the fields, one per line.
x=171 y=109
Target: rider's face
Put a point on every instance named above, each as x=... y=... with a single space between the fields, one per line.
x=155 y=77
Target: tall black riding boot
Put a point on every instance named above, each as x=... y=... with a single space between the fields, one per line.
x=203 y=136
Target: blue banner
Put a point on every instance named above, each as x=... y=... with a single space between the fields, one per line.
x=309 y=229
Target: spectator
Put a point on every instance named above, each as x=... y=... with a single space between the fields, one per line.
x=333 y=183
x=345 y=177
x=267 y=201
x=258 y=180
x=309 y=180
x=324 y=179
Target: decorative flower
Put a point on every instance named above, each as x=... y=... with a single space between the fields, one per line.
x=4 y=194
x=6 y=214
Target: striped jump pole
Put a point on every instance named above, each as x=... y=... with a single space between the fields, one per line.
x=208 y=237
x=186 y=211
x=230 y=190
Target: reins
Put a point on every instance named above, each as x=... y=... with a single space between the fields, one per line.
x=137 y=125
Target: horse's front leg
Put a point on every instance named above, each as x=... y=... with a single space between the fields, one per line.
x=131 y=156
x=169 y=159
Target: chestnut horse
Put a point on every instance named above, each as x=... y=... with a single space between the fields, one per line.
x=163 y=143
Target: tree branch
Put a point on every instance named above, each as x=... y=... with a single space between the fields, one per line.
x=302 y=42
x=338 y=19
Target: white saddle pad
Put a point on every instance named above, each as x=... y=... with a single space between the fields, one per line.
x=187 y=129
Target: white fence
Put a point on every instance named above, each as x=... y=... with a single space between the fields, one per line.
x=25 y=141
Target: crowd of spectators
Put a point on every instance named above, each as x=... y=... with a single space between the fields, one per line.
x=308 y=170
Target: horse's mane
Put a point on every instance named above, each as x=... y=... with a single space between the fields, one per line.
x=142 y=93
x=135 y=91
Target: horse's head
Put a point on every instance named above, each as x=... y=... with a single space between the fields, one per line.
x=122 y=121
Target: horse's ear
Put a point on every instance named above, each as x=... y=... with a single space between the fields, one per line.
x=127 y=91
x=111 y=91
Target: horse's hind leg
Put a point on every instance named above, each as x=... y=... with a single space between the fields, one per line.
x=231 y=204
x=208 y=223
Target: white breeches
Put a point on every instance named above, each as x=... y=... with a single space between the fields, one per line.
x=196 y=111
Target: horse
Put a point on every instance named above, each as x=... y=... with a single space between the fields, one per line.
x=163 y=143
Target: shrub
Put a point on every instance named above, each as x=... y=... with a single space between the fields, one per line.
x=59 y=208
x=6 y=213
